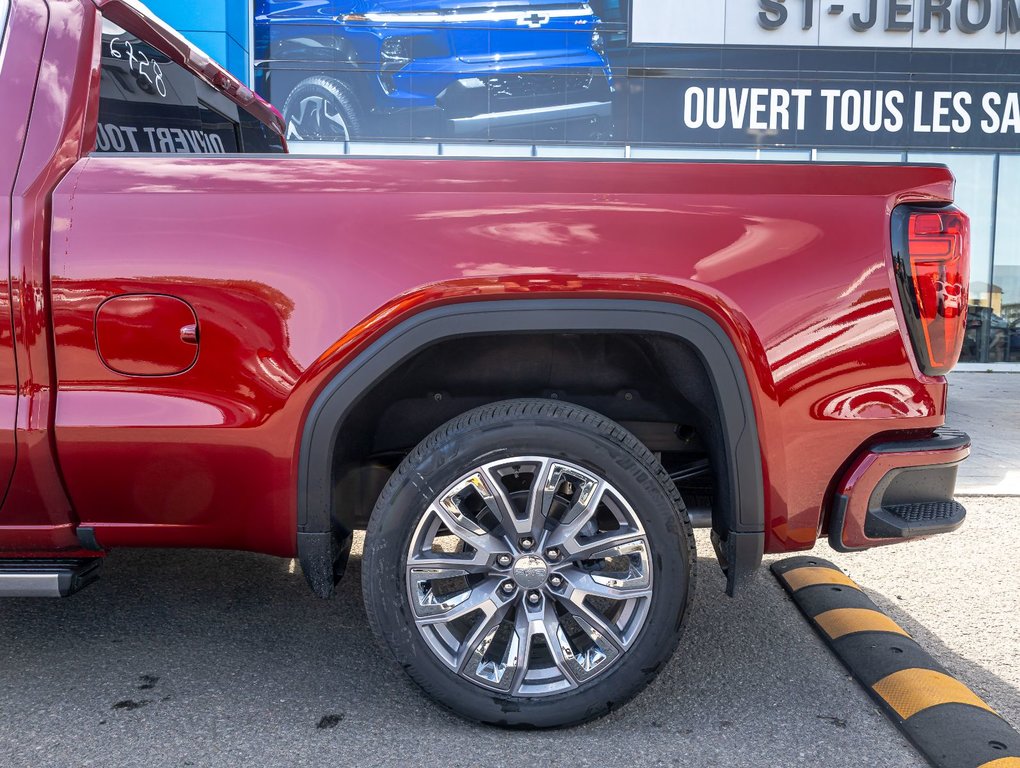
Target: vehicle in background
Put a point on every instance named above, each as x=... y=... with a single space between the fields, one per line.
x=441 y=69
x=1003 y=336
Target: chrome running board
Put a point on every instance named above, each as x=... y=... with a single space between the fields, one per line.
x=46 y=577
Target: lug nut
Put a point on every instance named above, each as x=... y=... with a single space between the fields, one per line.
x=534 y=597
x=527 y=543
x=556 y=580
x=504 y=561
x=552 y=553
x=508 y=587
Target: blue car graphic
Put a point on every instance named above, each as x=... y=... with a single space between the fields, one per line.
x=342 y=70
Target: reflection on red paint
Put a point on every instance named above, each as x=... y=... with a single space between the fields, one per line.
x=892 y=400
x=137 y=408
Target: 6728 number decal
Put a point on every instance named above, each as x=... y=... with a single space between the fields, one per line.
x=146 y=68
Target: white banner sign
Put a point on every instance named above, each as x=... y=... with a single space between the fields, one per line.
x=974 y=24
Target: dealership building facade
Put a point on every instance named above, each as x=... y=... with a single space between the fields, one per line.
x=872 y=81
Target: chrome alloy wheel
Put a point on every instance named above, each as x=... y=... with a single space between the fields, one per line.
x=319 y=118
x=529 y=576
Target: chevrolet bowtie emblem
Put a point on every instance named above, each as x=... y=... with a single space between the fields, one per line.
x=533 y=20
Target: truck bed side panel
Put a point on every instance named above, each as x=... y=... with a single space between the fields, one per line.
x=292 y=265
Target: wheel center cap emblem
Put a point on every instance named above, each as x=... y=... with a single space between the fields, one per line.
x=530 y=572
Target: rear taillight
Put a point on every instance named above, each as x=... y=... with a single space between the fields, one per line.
x=931 y=254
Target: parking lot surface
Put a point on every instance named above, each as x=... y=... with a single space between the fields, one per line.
x=216 y=658
x=987 y=407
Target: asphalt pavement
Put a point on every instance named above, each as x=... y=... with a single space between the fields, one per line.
x=987 y=407
x=220 y=658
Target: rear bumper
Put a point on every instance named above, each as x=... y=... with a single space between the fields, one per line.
x=898 y=491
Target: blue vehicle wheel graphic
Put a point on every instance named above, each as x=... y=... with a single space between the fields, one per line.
x=322 y=109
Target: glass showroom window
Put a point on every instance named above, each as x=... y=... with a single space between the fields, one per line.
x=1003 y=328
x=854 y=156
x=975 y=194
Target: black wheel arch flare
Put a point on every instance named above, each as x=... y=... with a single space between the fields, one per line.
x=324 y=543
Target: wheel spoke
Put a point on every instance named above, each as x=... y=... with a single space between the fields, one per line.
x=587 y=661
x=529 y=625
x=456 y=563
x=559 y=647
x=480 y=597
x=523 y=637
x=498 y=672
x=496 y=498
x=580 y=586
x=578 y=516
x=591 y=549
x=540 y=496
x=606 y=636
x=588 y=585
x=463 y=527
x=638 y=575
x=573 y=601
x=471 y=658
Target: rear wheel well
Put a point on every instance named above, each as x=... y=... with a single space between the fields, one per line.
x=655 y=386
x=669 y=372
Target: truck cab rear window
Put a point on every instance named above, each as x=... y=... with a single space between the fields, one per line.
x=147 y=103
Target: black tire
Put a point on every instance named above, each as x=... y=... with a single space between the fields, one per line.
x=562 y=432
x=322 y=108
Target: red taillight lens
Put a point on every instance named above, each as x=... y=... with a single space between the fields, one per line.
x=932 y=252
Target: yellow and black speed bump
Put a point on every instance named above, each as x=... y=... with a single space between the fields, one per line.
x=946 y=721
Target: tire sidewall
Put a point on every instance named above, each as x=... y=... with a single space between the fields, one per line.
x=425 y=475
x=336 y=91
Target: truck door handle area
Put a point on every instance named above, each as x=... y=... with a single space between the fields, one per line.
x=189 y=333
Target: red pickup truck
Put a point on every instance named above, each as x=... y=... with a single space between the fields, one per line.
x=526 y=380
